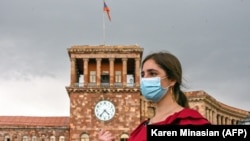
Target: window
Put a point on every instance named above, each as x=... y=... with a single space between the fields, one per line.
x=151 y=112
x=130 y=80
x=84 y=137
x=34 y=138
x=25 y=138
x=105 y=78
x=43 y=138
x=124 y=137
x=52 y=138
x=92 y=77
x=6 y=138
x=61 y=138
x=118 y=77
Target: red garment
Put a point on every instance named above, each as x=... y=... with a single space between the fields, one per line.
x=184 y=117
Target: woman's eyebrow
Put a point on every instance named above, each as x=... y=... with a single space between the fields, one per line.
x=150 y=70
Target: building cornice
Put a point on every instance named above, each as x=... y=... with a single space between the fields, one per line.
x=87 y=49
x=102 y=90
x=196 y=96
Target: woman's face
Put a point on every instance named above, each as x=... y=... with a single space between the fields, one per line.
x=151 y=69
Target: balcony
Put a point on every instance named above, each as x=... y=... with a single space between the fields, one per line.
x=104 y=85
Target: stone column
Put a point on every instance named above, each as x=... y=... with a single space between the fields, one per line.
x=124 y=72
x=229 y=121
x=210 y=115
x=214 y=117
x=223 y=120
x=73 y=71
x=111 y=72
x=137 y=71
x=98 y=72
x=85 y=72
x=207 y=113
x=218 y=119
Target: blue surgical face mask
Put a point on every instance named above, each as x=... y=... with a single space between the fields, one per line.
x=151 y=88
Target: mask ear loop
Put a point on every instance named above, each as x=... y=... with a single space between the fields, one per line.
x=164 y=77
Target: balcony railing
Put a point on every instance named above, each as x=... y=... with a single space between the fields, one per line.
x=92 y=85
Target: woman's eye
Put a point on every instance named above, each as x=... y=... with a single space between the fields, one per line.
x=153 y=74
x=142 y=74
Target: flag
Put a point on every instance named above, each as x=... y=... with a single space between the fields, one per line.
x=106 y=9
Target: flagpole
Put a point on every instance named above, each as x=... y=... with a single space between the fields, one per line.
x=103 y=26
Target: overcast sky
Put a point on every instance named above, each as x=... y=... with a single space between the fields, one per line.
x=210 y=37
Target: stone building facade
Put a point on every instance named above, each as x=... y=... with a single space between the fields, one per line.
x=216 y=112
x=26 y=128
x=104 y=92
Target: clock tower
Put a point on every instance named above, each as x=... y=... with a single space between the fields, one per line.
x=104 y=91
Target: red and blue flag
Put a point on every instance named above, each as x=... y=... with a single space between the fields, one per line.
x=106 y=9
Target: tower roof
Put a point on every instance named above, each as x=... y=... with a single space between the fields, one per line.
x=33 y=121
x=108 y=49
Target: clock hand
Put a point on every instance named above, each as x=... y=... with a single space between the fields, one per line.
x=102 y=113
x=106 y=111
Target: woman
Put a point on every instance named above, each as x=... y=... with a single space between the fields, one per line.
x=160 y=83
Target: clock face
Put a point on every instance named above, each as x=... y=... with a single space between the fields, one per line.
x=104 y=110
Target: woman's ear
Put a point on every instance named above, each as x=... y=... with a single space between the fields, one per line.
x=172 y=82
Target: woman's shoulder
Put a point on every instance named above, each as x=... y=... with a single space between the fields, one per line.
x=188 y=112
x=187 y=116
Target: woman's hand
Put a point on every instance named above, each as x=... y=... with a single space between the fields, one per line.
x=104 y=135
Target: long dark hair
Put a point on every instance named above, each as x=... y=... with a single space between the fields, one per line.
x=172 y=67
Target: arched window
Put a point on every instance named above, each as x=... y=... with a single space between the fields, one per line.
x=84 y=137
x=25 y=138
x=34 y=138
x=43 y=138
x=61 y=138
x=6 y=138
x=52 y=138
x=118 y=76
x=124 y=137
x=151 y=112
